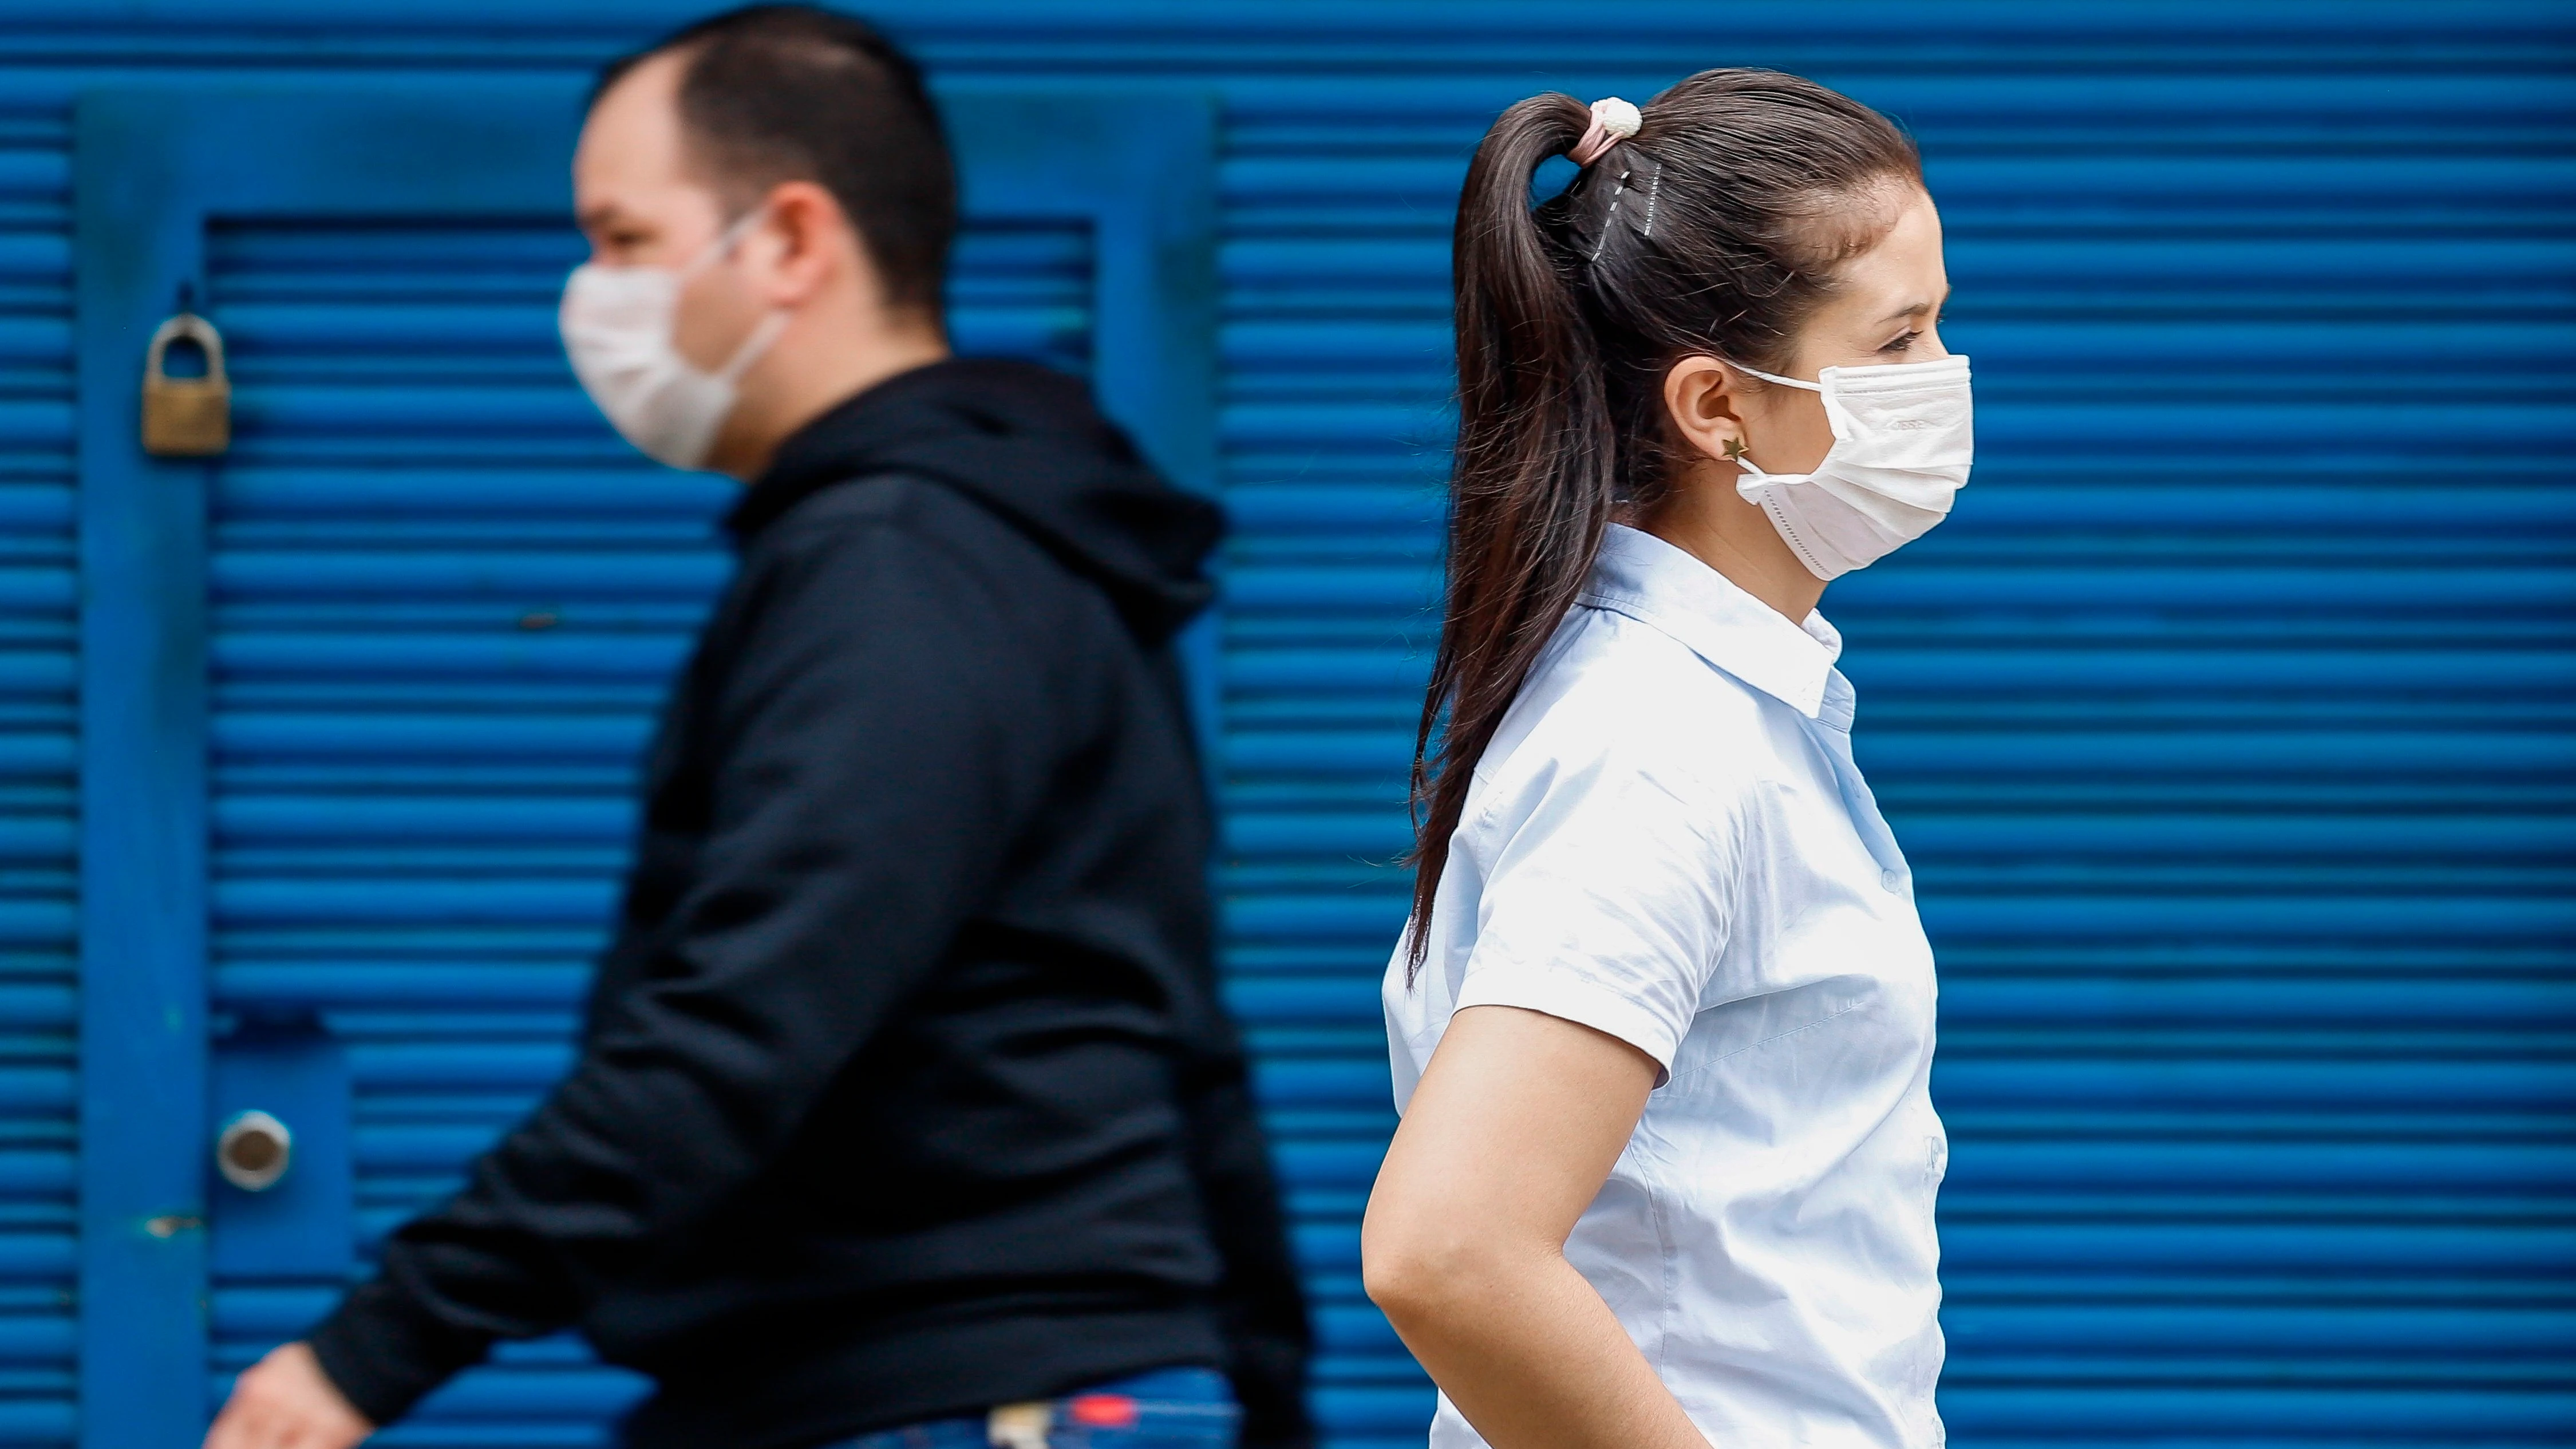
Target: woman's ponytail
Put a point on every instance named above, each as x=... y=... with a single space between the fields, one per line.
x=1716 y=226
x=1533 y=486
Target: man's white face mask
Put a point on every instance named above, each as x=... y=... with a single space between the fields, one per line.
x=617 y=324
x=1904 y=435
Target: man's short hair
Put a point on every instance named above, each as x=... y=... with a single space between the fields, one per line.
x=773 y=93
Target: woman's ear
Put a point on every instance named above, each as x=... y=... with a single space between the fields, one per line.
x=1700 y=394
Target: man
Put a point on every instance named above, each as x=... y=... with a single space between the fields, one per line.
x=904 y=1096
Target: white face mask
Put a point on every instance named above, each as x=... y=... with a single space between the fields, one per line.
x=1904 y=436
x=617 y=323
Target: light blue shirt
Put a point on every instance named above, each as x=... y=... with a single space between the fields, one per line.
x=1667 y=841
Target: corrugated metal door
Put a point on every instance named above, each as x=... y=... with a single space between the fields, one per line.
x=440 y=604
x=38 y=734
x=2229 y=722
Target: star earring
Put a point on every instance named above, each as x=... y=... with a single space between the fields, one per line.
x=1733 y=448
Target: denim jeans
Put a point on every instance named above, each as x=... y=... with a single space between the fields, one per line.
x=1175 y=1408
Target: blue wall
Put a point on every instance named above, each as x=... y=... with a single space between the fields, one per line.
x=2228 y=722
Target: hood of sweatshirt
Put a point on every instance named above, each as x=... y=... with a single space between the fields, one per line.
x=1029 y=444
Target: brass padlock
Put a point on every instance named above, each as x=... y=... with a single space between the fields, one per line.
x=186 y=417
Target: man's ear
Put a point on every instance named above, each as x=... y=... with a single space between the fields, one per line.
x=1700 y=395
x=805 y=243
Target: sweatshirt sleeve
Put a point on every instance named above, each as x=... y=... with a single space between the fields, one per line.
x=1263 y=1302
x=875 y=758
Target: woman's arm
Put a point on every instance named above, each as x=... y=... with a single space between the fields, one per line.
x=1508 y=1138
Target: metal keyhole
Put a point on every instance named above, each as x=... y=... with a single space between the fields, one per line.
x=253 y=1151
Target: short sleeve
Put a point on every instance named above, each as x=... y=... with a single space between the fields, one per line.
x=1607 y=898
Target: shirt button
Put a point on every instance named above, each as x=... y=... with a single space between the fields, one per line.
x=1890 y=879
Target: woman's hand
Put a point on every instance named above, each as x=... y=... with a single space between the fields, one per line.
x=285 y=1401
x=1515 y=1124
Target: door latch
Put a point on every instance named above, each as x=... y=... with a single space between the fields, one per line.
x=282 y=1200
x=254 y=1150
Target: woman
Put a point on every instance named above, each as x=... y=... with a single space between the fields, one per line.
x=1662 y=1021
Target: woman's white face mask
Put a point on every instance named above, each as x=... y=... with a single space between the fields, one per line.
x=617 y=327
x=1904 y=436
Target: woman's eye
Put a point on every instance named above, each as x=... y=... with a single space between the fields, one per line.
x=1901 y=344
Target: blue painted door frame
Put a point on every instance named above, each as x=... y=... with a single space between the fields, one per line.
x=152 y=169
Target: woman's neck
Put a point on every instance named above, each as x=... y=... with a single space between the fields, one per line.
x=1706 y=518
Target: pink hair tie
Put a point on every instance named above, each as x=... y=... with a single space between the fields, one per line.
x=1613 y=121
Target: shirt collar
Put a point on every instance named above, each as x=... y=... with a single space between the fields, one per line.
x=1651 y=581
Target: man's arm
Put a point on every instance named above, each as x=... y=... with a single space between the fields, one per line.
x=1263 y=1301
x=881 y=736
x=285 y=1401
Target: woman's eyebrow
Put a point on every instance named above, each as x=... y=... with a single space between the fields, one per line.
x=1918 y=309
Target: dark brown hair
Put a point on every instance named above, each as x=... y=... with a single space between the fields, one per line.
x=774 y=93
x=1717 y=228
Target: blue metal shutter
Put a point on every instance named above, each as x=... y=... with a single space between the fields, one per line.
x=447 y=602
x=2345 y=1215
x=37 y=664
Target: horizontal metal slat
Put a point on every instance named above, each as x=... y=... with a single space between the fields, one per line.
x=2155 y=352
x=251 y=735
x=39 y=1420
x=2093 y=750
x=2020 y=79
x=416 y=494
x=2285 y=1254
x=2382 y=188
x=2171 y=510
x=2198 y=835
x=2109 y=585
x=319 y=412
x=361 y=819
x=290 y=337
x=2114 y=665
x=344 y=984
x=2253 y=1168
x=2073 y=1086
x=416 y=574
x=554 y=654
x=2014 y=265
x=486 y=1064
x=448 y=902
x=32 y=1173
x=2093 y=422
x=2052 y=916
x=2079 y=1085
x=2266 y=1331
x=2235 y=1416
x=2305 y=1001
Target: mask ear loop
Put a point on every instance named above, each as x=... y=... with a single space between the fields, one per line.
x=774 y=322
x=1735 y=447
x=1772 y=376
x=753 y=347
x=726 y=240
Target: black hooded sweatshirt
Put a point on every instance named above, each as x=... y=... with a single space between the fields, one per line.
x=903 y=1089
